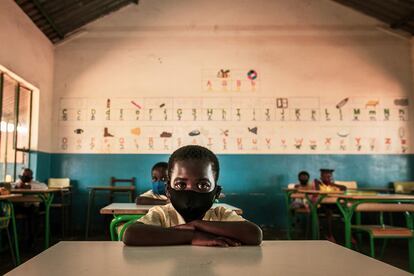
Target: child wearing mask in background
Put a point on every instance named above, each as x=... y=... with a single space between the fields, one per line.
x=192 y=188
x=156 y=196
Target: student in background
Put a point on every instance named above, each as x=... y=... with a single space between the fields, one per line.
x=26 y=181
x=303 y=179
x=192 y=188
x=31 y=210
x=156 y=195
x=326 y=183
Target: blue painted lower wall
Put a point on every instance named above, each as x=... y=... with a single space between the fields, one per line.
x=251 y=182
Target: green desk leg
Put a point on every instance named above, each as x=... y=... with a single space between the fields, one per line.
x=118 y=219
x=14 y=229
x=347 y=213
x=88 y=212
x=47 y=199
x=358 y=222
x=121 y=233
x=314 y=214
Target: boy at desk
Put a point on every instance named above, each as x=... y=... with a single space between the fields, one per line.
x=26 y=181
x=326 y=182
x=192 y=188
x=303 y=179
x=156 y=196
x=29 y=209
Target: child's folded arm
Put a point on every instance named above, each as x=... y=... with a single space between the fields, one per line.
x=139 y=234
x=246 y=232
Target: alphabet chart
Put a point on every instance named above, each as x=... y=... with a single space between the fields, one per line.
x=267 y=125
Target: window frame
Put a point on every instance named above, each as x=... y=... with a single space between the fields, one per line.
x=16 y=121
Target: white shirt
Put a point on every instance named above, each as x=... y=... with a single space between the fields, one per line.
x=35 y=185
x=167 y=216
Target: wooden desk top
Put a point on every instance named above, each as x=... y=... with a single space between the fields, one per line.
x=355 y=194
x=375 y=196
x=111 y=188
x=35 y=191
x=318 y=192
x=272 y=258
x=11 y=196
x=134 y=209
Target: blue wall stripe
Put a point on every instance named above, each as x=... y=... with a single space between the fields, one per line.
x=251 y=182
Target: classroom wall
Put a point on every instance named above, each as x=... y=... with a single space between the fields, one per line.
x=301 y=49
x=27 y=52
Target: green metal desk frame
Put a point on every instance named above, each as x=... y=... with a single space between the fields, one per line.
x=47 y=199
x=348 y=206
x=129 y=219
x=15 y=250
x=313 y=206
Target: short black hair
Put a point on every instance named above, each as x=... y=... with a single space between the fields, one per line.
x=160 y=165
x=194 y=152
x=303 y=173
x=27 y=170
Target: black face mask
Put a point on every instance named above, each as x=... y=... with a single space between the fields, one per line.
x=192 y=205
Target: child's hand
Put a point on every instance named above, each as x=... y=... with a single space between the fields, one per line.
x=205 y=239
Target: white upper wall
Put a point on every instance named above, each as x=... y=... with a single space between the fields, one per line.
x=300 y=47
x=25 y=51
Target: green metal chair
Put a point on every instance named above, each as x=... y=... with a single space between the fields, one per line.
x=386 y=232
x=5 y=216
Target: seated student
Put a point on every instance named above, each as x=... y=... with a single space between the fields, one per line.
x=156 y=196
x=327 y=184
x=303 y=179
x=26 y=181
x=31 y=210
x=192 y=188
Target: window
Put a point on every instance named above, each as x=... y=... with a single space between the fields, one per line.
x=15 y=126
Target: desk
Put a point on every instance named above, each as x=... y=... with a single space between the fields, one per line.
x=47 y=197
x=91 y=199
x=272 y=258
x=134 y=209
x=350 y=203
x=6 y=199
x=314 y=198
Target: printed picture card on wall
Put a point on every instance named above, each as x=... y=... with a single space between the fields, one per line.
x=227 y=80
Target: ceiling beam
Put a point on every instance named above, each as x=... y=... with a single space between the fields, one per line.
x=49 y=20
x=402 y=21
